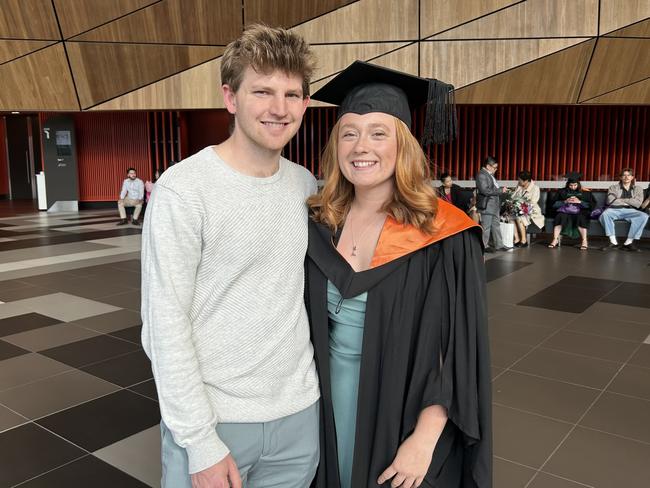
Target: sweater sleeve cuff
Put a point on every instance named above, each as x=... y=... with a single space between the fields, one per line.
x=206 y=453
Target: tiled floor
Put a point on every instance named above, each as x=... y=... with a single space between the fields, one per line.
x=570 y=335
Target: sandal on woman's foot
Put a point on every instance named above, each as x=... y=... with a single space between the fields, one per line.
x=584 y=246
x=554 y=243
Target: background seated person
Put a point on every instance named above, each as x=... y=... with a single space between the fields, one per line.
x=529 y=192
x=449 y=191
x=624 y=200
x=132 y=195
x=573 y=205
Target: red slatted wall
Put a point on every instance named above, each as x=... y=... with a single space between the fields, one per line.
x=4 y=170
x=548 y=140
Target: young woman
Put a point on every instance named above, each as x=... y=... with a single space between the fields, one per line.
x=573 y=206
x=396 y=297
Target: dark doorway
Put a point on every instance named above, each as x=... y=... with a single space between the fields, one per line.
x=22 y=140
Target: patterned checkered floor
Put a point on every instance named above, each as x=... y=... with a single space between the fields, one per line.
x=570 y=353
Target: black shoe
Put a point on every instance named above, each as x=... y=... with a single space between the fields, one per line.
x=122 y=222
x=522 y=244
x=489 y=250
x=609 y=247
x=504 y=249
x=135 y=222
x=630 y=247
x=517 y=244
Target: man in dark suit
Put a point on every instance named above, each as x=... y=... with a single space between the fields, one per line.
x=488 y=204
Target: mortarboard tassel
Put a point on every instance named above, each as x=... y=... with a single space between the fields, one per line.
x=440 y=119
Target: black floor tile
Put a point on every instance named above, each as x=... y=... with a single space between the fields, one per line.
x=124 y=370
x=497 y=268
x=148 y=389
x=565 y=298
x=29 y=450
x=592 y=283
x=104 y=421
x=632 y=294
x=66 y=238
x=9 y=350
x=78 y=224
x=23 y=323
x=132 y=334
x=85 y=473
x=88 y=351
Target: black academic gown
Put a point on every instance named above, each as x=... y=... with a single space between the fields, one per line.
x=425 y=343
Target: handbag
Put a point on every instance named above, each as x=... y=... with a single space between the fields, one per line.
x=570 y=209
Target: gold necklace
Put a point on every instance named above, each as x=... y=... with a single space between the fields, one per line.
x=368 y=226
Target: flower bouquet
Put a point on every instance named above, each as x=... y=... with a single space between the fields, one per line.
x=514 y=205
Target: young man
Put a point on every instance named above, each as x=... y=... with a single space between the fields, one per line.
x=224 y=320
x=488 y=204
x=132 y=195
x=625 y=199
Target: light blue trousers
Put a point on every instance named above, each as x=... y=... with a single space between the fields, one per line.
x=282 y=453
x=636 y=218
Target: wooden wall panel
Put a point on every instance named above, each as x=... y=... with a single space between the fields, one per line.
x=404 y=59
x=616 y=63
x=533 y=18
x=13 y=49
x=333 y=58
x=38 y=81
x=287 y=13
x=554 y=79
x=175 y=22
x=196 y=88
x=615 y=14
x=106 y=70
x=640 y=29
x=365 y=20
x=636 y=94
x=439 y=15
x=107 y=144
x=77 y=16
x=463 y=62
x=28 y=19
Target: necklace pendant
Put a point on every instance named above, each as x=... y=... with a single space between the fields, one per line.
x=354 y=250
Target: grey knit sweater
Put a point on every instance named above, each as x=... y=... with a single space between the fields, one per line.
x=224 y=322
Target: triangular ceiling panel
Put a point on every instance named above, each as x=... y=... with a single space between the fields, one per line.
x=77 y=16
x=195 y=88
x=533 y=18
x=106 y=70
x=288 y=14
x=616 y=63
x=38 y=81
x=12 y=49
x=464 y=62
x=404 y=59
x=615 y=14
x=635 y=94
x=333 y=58
x=553 y=79
x=364 y=21
x=439 y=15
x=28 y=19
x=175 y=22
x=640 y=29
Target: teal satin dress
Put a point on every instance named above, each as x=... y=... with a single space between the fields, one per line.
x=346 y=318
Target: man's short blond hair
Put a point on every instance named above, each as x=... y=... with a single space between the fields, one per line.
x=267 y=49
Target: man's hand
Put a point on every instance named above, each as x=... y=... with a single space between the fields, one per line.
x=224 y=474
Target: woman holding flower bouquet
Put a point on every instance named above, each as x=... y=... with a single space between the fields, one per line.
x=525 y=206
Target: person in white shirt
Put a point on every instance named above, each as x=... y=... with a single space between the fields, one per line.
x=223 y=312
x=132 y=195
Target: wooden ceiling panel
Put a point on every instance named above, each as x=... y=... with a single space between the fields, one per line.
x=175 y=22
x=195 y=88
x=404 y=59
x=640 y=29
x=464 y=62
x=615 y=14
x=364 y=21
x=288 y=13
x=28 y=19
x=333 y=58
x=553 y=79
x=533 y=18
x=616 y=63
x=38 y=81
x=12 y=49
x=635 y=94
x=439 y=15
x=77 y=16
x=106 y=70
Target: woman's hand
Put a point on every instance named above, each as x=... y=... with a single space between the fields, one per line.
x=414 y=455
x=411 y=462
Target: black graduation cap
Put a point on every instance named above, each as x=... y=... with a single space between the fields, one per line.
x=573 y=177
x=363 y=88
